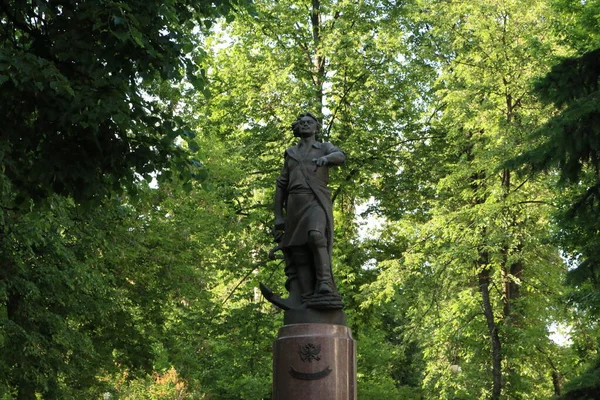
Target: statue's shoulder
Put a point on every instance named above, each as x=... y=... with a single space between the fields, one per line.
x=290 y=151
x=329 y=147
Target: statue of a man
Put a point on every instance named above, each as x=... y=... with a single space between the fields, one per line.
x=304 y=219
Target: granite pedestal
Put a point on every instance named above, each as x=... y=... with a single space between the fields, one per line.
x=314 y=361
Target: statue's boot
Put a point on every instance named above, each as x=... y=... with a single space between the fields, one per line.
x=318 y=245
x=324 y=281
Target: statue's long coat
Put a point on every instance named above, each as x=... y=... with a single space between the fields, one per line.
x=308 y=199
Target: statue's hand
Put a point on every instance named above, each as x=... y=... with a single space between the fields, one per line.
x=278 y=229
x=321 y=161
x=279 y=224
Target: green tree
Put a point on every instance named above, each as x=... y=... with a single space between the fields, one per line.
x=66 y=315
x=475 y=258
x=567 y=145
x=80 y=97
x=83 y=74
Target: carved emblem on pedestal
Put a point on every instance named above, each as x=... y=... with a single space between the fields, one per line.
x=309 y=352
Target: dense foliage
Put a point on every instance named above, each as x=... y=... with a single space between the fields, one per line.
x=569 y=144
x=84 y=119
x=139 y=149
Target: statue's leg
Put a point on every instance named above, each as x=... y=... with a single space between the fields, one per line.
x=305 y=275
x=318 y=245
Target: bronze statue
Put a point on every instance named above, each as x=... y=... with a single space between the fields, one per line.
x=304 y=220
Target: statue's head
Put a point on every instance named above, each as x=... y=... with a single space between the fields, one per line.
x=306 y=124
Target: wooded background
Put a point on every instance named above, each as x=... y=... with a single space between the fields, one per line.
x=139 y=145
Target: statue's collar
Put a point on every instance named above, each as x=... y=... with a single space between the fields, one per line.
x=316 y=145
x=295 y=150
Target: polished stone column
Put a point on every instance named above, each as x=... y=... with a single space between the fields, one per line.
x=314 y=361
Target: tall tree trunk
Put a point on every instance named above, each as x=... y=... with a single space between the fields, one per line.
x=484 y=277
x=556 y=375
x=556 y=382
x=511 y=289
x=488 y=311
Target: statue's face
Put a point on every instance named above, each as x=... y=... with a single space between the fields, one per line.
x=307 y=126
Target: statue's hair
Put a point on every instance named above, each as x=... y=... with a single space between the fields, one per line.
x=297 y=121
